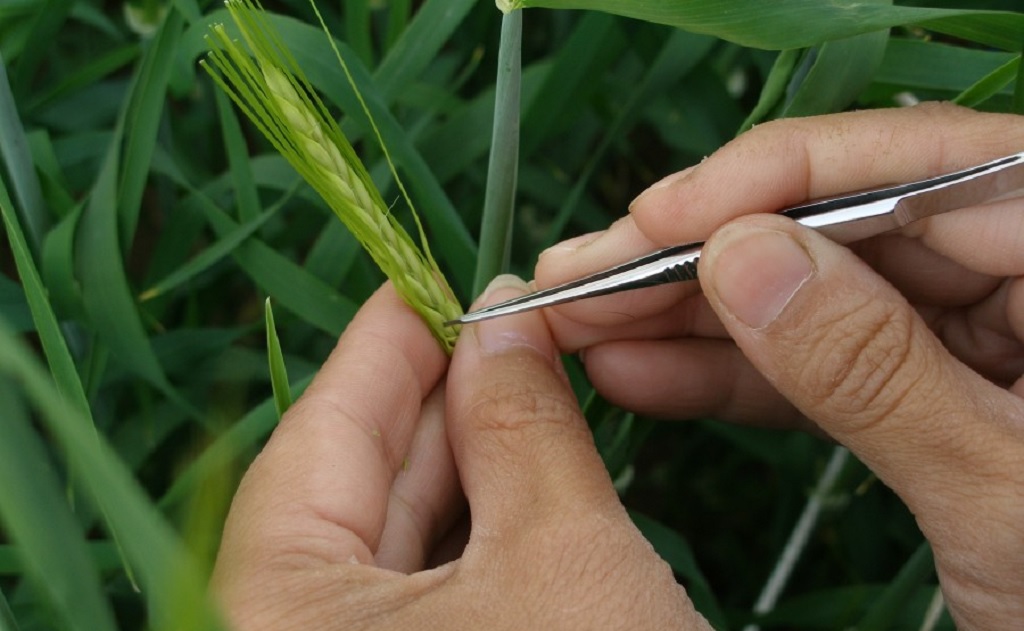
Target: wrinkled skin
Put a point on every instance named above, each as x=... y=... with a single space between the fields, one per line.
x=910 y=353
x=907 y=349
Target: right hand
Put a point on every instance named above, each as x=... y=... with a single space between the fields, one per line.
x=914 y=360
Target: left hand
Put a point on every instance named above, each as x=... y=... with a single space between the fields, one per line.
x=341 y=522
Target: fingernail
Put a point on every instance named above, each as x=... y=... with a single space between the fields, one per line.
x=525 y=330
x=569 y=246
x=663 y=183
x=756 y=273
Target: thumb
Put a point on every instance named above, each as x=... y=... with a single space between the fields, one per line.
x=849 y=351
x=522 y=447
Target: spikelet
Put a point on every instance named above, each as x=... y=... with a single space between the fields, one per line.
x=267 y=84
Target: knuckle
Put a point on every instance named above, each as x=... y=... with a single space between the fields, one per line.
x=512 y=408
x=867 y=364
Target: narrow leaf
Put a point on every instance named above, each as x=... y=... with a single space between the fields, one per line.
x=786 y=24
x=886 y=608
x=840 y=71
x=990 y=85
x=167 y=573
x=14 y=153
x=278 y=371
x=38 y=519
x=774 y=88
x=7 y=621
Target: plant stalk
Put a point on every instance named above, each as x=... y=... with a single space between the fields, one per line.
x=503 y=168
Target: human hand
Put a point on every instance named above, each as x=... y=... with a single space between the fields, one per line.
x=340 y=522
x=911 y=354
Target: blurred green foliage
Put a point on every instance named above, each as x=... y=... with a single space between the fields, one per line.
x=147 y=223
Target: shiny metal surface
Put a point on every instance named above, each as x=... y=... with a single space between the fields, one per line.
x=843 y=219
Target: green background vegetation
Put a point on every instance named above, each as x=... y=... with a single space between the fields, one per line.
x=145 y=223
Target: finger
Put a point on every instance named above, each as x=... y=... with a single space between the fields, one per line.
x=578 y=257
x=690 y=317
x=425 y=496
x=524 y=452
x=318 y=493
x=786 y=162
x=686 y=379
x=783 y=163
x=923 y=275
x=983 y=337
x=854 y=356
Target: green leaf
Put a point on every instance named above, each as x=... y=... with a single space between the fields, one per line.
x=838 y=72
x=680 y=54
x=359 y=29
x=37 y=518
x=62 y=365
x=676 y=550
x=145 y=110
x=278 y=371
x=167 y=573
x=503 y=167
x=920 y=567
x=243 y=436
x=923 y=65
x=15 y=155
x=293 y=287
x=785 y=24
x=7 y=621
x=774 y=88
x=434 y=23
x=990 y=85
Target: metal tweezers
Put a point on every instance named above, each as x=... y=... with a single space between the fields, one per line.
x=843 y=219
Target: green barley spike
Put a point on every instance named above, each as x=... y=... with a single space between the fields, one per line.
x=266 y=83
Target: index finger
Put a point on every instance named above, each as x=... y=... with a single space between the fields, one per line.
x=786 y=162
x=319 y=491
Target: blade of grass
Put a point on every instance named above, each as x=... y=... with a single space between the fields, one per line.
x=46 y=24
x=503 y=167
x=278 y=371
x=677 y=552
x=398 y=18
x=786 y=24
x=15 y=154
x=37 y=518
x=92 y=71
x=918 y=569
x=774 y=88
x=1018 y=90
x=840 y=71
x=679 y=55
x=247 y=198
x=174 y=587
x=244 y=435
x=7 y=621
x=432 y=26
x=914 y=64
x=224 y=247
x=293 y=287
x=595 y=43
x=359 y=29
x=62 y=366
x=145 y=110
x=990 y=85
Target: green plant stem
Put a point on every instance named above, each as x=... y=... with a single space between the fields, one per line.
x=15 y=154
x=503 y=168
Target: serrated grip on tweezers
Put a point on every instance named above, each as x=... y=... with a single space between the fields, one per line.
x=843 y=219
